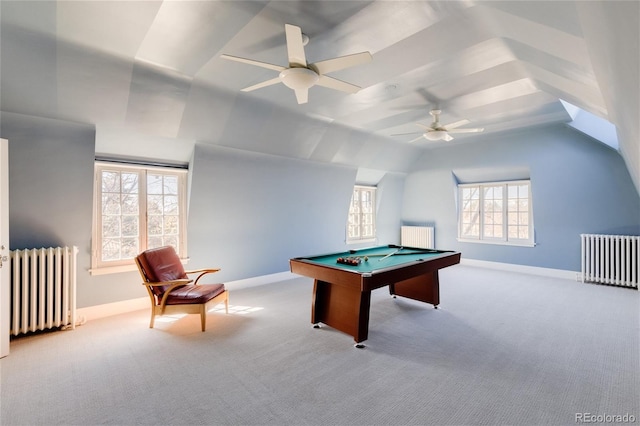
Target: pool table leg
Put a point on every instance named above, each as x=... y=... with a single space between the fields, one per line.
x=343 y=308
x=424 y=288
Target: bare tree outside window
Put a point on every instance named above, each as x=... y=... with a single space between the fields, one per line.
x=137 y=208
x=361 y=223
x=496 y=212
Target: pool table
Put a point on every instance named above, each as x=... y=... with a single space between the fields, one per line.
x=343 y=282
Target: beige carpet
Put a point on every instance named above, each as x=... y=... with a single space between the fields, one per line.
x=503 y=349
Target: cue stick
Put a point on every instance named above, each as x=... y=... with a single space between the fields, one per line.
x=425 y=251
x=390 y=254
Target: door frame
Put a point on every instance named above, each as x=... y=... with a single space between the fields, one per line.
x=5 y=261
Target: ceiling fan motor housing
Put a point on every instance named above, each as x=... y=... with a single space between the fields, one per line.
x=434 y=135
x=298 y=78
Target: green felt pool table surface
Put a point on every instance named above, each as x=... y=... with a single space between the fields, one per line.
x=376 y=258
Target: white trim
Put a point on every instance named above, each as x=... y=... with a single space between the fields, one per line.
x=516 y=243
x=122 y=268
x=5 y=276
x=522 y=269
x=261 y=280
x=372 y=191
x=99 y=266
x=117 y=165
x=112 y=269
x=115 y=308
x=504 y=240
x=124 y=306
x=366 y=240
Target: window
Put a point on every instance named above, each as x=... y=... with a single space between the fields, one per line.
x=361 y=223
x=498 y=212
x=137 y=208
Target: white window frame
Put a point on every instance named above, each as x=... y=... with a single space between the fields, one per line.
x=99 y=266
x=507 y=219
x=361 y=217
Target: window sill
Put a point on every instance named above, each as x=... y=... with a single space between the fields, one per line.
x=368 y=240
x=499 y=243
x=106 y=270
x=112 y=269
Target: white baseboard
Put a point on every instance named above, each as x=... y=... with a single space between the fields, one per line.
x=116 y=308
x=110 y=309
x=523 y=269
x=264 y=279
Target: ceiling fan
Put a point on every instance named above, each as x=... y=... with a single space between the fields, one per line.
x=437 y=131
x=301 y=76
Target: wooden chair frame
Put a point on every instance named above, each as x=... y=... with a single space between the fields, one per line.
x=159 y=307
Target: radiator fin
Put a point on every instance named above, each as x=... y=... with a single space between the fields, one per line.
x=611 y=259
x=417 y=236
x=43 y=289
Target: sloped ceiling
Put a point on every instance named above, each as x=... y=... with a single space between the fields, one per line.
x=149 y=75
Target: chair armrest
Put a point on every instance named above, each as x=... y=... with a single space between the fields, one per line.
x=173 y=283
x=202 y=272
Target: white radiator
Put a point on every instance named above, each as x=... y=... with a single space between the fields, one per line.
x=417 y=236
x=43 y=289
x=611 y=259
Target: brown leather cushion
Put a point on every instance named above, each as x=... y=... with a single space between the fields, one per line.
x=161 y=264
x=190 y=294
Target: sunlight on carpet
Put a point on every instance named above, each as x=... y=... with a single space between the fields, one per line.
x=219 y=308
x=236 y=309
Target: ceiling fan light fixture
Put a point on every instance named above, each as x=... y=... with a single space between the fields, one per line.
x=299 y=78
x=435 y=135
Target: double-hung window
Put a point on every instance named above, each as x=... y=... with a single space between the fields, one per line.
x=137 y=208
x=496 y=212
x=361 y=223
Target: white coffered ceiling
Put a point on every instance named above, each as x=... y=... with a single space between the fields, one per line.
x=150 y=72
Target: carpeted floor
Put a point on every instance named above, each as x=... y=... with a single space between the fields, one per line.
x=503 y=349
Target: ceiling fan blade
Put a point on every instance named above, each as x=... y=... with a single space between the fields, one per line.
x=263 y=84
x=409 y=107
x=446 y=137
x=302 y=95
x=416 y=139
x=477 y=130
x=295 y=47
x=336 y=64
x=334 y=83
x=406 y=134
x=456 y=124
x=252 y=62
x=425 y=127
x=430 y=98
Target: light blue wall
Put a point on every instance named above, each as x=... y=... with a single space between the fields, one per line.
x=51 y=187
x=250 y=213
x=51 y=169
x=389 y=193
x=578 y=186
x=50 y=177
